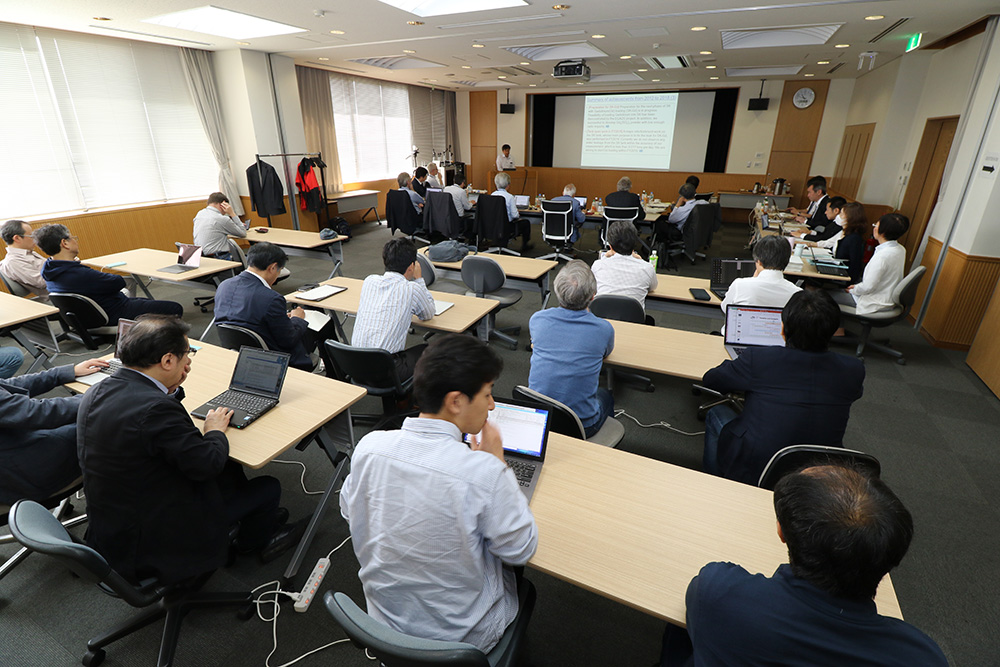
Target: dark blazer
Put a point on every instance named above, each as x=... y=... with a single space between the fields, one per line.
x=829 y=231
x=104 y=288
x=852 y=248
x=153 y=500
x=418 y=187
x=793 y=397
x=245 y=301
x=266 y=194
x=819 y=218
x=37 y=436
x=621 y=199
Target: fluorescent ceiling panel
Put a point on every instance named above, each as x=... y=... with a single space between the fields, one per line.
x=513 y=19
x=489 y=83
x=611 y=78
x=558 y=51
x=211 y=20
x=781 y=70
x=396 y=62
x=793 y=35
x=425 y=8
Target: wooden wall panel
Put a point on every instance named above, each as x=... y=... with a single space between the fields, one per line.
x=984 y=355
x=664 y=184
x=851 y=161
x=793 y=166
x=796 y=131
x=483 y=129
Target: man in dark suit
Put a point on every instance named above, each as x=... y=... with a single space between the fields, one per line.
x=247 y=300
x=815 y=214
x=624 y=198
x=162 y=497
x=418 y=184
x=801 y=393
x=38 y=435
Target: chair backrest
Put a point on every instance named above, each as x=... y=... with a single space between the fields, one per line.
x=233 y=337
x=393 y=648
x=482 y=274
x=86 y=310
x=796 y=457
x=367 y=367
x=906 y=291
x=399 y=212
x=427 y=271
x=699 y=227
x=491 y=217
x=629 y=213
x=440 y=215
x=236 y=252
x=556 y=225
x=564 y=420
x=618 y=307
x=14 y=287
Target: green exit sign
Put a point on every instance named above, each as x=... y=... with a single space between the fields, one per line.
x=914 y=42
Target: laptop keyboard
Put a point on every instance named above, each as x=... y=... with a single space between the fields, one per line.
x=113 y=366
x=523 y=470
x=249 y=403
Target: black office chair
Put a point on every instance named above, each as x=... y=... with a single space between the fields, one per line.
x=429 y=274
x=440 y=216
x=59 y=504
x=485 y=279
x=234 y=337
x=493 y=224
x=701 y=224
x=903 y=296
x=85 y=319
x=567 y=422
x=34 y=527
x=623 y=309
x=400 y=214
x=557 y=228
x=796 y=457
x=376 y=371
x=395 y=649
x=613 y=213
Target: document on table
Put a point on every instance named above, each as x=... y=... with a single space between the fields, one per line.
x=320 y=293
x=441 y=306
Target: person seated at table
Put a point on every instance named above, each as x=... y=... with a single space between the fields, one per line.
x=834 y=223
x=845 y=531
x=11 y=359
x=693 y=180
x=403 y=181
x=434 y=177
x=671 y=225
x=882 y=273
x=577 y=216
x=568 y=347
x=38 y=435
x=22 y=264
x=162 y=496
x=388 y=302
x=462 y=205
x=800 y=393
x=435 y=522
x=63 y=272
x=517 y=225
x=418 y=182
x=623 y=197
x=214 y=224
x=849 y=242
x=767 y=286
x=247 y=300
x=815 y=214
x=621 y=270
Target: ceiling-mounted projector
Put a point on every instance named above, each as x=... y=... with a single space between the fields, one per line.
x=571 y=69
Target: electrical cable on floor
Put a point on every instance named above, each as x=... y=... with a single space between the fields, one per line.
x=88 y=353
x=622 y=413
x=302 y=477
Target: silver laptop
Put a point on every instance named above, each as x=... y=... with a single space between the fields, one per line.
x=582 y=201
x=524 y=428
x=188 y=259
x=254 y=388
x=752 y=326
x=113 y=364
x=521 y=201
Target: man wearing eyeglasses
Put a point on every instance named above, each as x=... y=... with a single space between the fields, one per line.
x=163 y=496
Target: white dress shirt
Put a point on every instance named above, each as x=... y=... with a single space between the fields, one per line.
x=415 y=199
x=386 y=304
x=432 y=182
x=512 y=212
x=432 y=523
x=882 y=274
x=680 y=214
x=769 y=288
x=625 y=275
x=831 y=243
x=504 y=162
x=25 y=267
x=212 y=230
x=461 y=197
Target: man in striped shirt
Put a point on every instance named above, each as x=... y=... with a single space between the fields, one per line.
x=387 y=302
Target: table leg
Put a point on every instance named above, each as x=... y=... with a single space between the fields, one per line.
x=337 y=254
x=371 y=210
x=543 y=284
x=142 y=285
x=41 y=360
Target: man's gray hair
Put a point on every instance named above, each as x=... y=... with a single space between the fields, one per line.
x=688 y=191
x=502 y=180
x=569 y=190
x=432 y=168
x=773 y=252
x=575 y=286
x=403 y=179
x=622 y=237
x=624 y=184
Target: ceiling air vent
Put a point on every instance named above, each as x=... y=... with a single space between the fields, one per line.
x=834 y=68
x=888 y=30
x=667 y=62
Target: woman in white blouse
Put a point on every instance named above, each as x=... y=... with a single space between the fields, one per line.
x=883 y=272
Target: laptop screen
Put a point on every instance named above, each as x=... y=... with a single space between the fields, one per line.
x=434 y=190
x=260 y=372
x=123 y=328
x=524 y=429
x=753 y=325
x=521 y=200
x=582 y=201
x=189 y=255
x=725 y=271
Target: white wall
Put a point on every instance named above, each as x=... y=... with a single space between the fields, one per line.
x=237 y=118
x=511 y=128
x=464 y=153
x=831 y=128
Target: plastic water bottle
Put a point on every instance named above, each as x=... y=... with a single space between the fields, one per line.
x=654 y=260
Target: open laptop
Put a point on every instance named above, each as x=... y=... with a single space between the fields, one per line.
x=522 y=201
x=725 y=271
x=829 y=266
x=188 y=259
x=113 y=364
x=752 y=326
x=524 y=428
x=254 y=388
x=435 y=190
x=582 y=201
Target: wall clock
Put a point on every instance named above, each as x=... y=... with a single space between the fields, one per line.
x=803 y=98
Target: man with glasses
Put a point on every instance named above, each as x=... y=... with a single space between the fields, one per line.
x=163 y=496
x=22 y=264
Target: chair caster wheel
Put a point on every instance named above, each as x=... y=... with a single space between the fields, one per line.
x=204 y=309
x=650 y=389
x=94 y=658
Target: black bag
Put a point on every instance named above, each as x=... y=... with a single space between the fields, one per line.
x=340 y=226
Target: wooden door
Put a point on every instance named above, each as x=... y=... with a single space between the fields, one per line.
x=483 y=128
x=925 y=180
x=851 y=162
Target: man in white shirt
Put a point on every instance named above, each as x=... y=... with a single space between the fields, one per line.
x=671 y=227
x=621 y=270
x=434 y=178
x=387 y=303
x=767 y=286
x=213 y=226
x=504 y=160
x=460 y=196
x=434 y=521
x=882 y=273
x=22 y=264
x=522 y=226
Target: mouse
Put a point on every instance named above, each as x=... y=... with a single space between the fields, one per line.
x=261 y=230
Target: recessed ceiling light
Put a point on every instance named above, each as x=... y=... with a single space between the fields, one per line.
x=597 y=36
x=245 y=44
x=841 y=46
x=874 y=17
x=656 y=80
x=101 y=18
x=705 y=53
x=699 y=28
x=408 y=51
x=532 y=85
x=223 y=23
x=560 y=7
x=642 y=70
x=709 y=66
x=336 y=32
x=414 y=23
x=478 y=46
x=713 y=78
x=501 y=77
x=822 y=62
x=466 y=66
x=810 y=75
x=525 y=62
x=624 y=57
x=433 y=80
x=579 y=83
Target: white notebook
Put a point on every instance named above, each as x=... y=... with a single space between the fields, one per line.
x=320 y=293
x=441 y=306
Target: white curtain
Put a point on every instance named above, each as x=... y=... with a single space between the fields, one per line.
x=317 y=121
x=201 y=82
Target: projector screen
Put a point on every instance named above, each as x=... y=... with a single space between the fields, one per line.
x=634 y=131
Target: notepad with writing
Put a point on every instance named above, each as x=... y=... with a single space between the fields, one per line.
x=320 y=293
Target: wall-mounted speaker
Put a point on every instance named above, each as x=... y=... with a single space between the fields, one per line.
x=758 y=104
x=506 y=108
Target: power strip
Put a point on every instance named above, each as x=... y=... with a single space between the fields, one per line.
x=312 y=585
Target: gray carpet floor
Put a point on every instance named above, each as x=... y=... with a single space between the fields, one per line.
x=932 y=423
